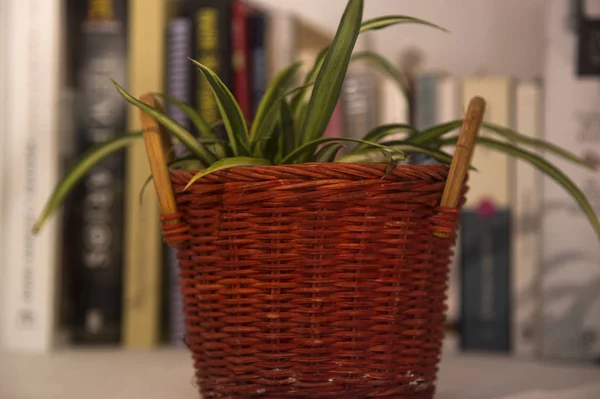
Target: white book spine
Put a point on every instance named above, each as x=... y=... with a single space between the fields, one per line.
x=449 y=103
x=31 y=150
x=492 y=182
x=571 y=256
x=526 y=232
x=394 y=107
x=3 y=105
x=282 y=40
x=449 y=109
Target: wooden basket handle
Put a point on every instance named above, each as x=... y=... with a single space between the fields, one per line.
x=463 y=154
x=159 y=149
x=461 y=160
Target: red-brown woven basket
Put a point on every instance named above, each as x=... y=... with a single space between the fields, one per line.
x=314 y=280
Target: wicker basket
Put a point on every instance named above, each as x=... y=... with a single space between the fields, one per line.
x=314 y=280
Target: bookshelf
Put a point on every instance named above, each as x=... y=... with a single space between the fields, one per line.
x=490 y=38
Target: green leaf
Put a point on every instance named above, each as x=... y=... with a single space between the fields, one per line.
x=299 y=89
x=299 y=116
x=328 y=152
x=185 y=137
x=372 y=24
x=547 y=168
x=233 y=118
x=269 y=108
x=288 y=130
x=204 y=128
x=330 y=79
x=386 y=68
x=272 y=148
x=540 y=144
x=77 y=172
x=309 y=80
x=383 y=131
x=432 y=134
x=226 y=164
x=311 y=146
x=371 y=155
x=390 y=20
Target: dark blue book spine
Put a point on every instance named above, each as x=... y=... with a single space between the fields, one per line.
x=179 y=83
x=426 y=110
x=485 y=280
x=257 y=25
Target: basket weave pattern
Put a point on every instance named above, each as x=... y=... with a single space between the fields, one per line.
x=313 y=280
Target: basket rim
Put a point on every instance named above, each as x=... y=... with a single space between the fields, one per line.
x=311 y=166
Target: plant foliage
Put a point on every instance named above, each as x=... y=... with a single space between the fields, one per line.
x=291 y=120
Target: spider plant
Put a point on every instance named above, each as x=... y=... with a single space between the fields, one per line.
x=291 y=119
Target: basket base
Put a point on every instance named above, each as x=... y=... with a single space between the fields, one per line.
x=426 y=394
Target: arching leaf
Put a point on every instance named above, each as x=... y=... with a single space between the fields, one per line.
x=83 y=166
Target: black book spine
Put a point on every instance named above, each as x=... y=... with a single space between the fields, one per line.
x=96 y=220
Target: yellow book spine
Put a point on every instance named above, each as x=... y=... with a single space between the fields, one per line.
x=143 y=254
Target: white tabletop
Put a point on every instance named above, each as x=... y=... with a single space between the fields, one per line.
x=168 y=374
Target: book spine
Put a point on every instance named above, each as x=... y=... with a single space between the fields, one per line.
x=485 y=280
x=178 y=84
x=492 y=187
x=3 y=131
x=31 y=154
x=258 y=68
x=179 y=71
x=143 y=253
x=494 y=180
x=526 y=235
x=359 y=97
x=394 y=107
x=96 y=222
x=212 y=48
x=240 y=56
x=448 y=109
x=281 y=41
x=426 y=109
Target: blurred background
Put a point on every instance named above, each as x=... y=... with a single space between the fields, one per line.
x=525 y=278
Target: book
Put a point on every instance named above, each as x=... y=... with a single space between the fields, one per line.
x=240 y=56
x=493 y=181
x=491 y=188
x=526 y=234
x=360 y=95
x=212 y=47
x=281 y=41
x=394 y=107
x=3 y=126
x=449 y=103
x=29 y=293
x=426 y=108
x=95 y=215
x=258 y=69
x=448 y=109
x=178 y=85
x=485 y=280
x=143 y=250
